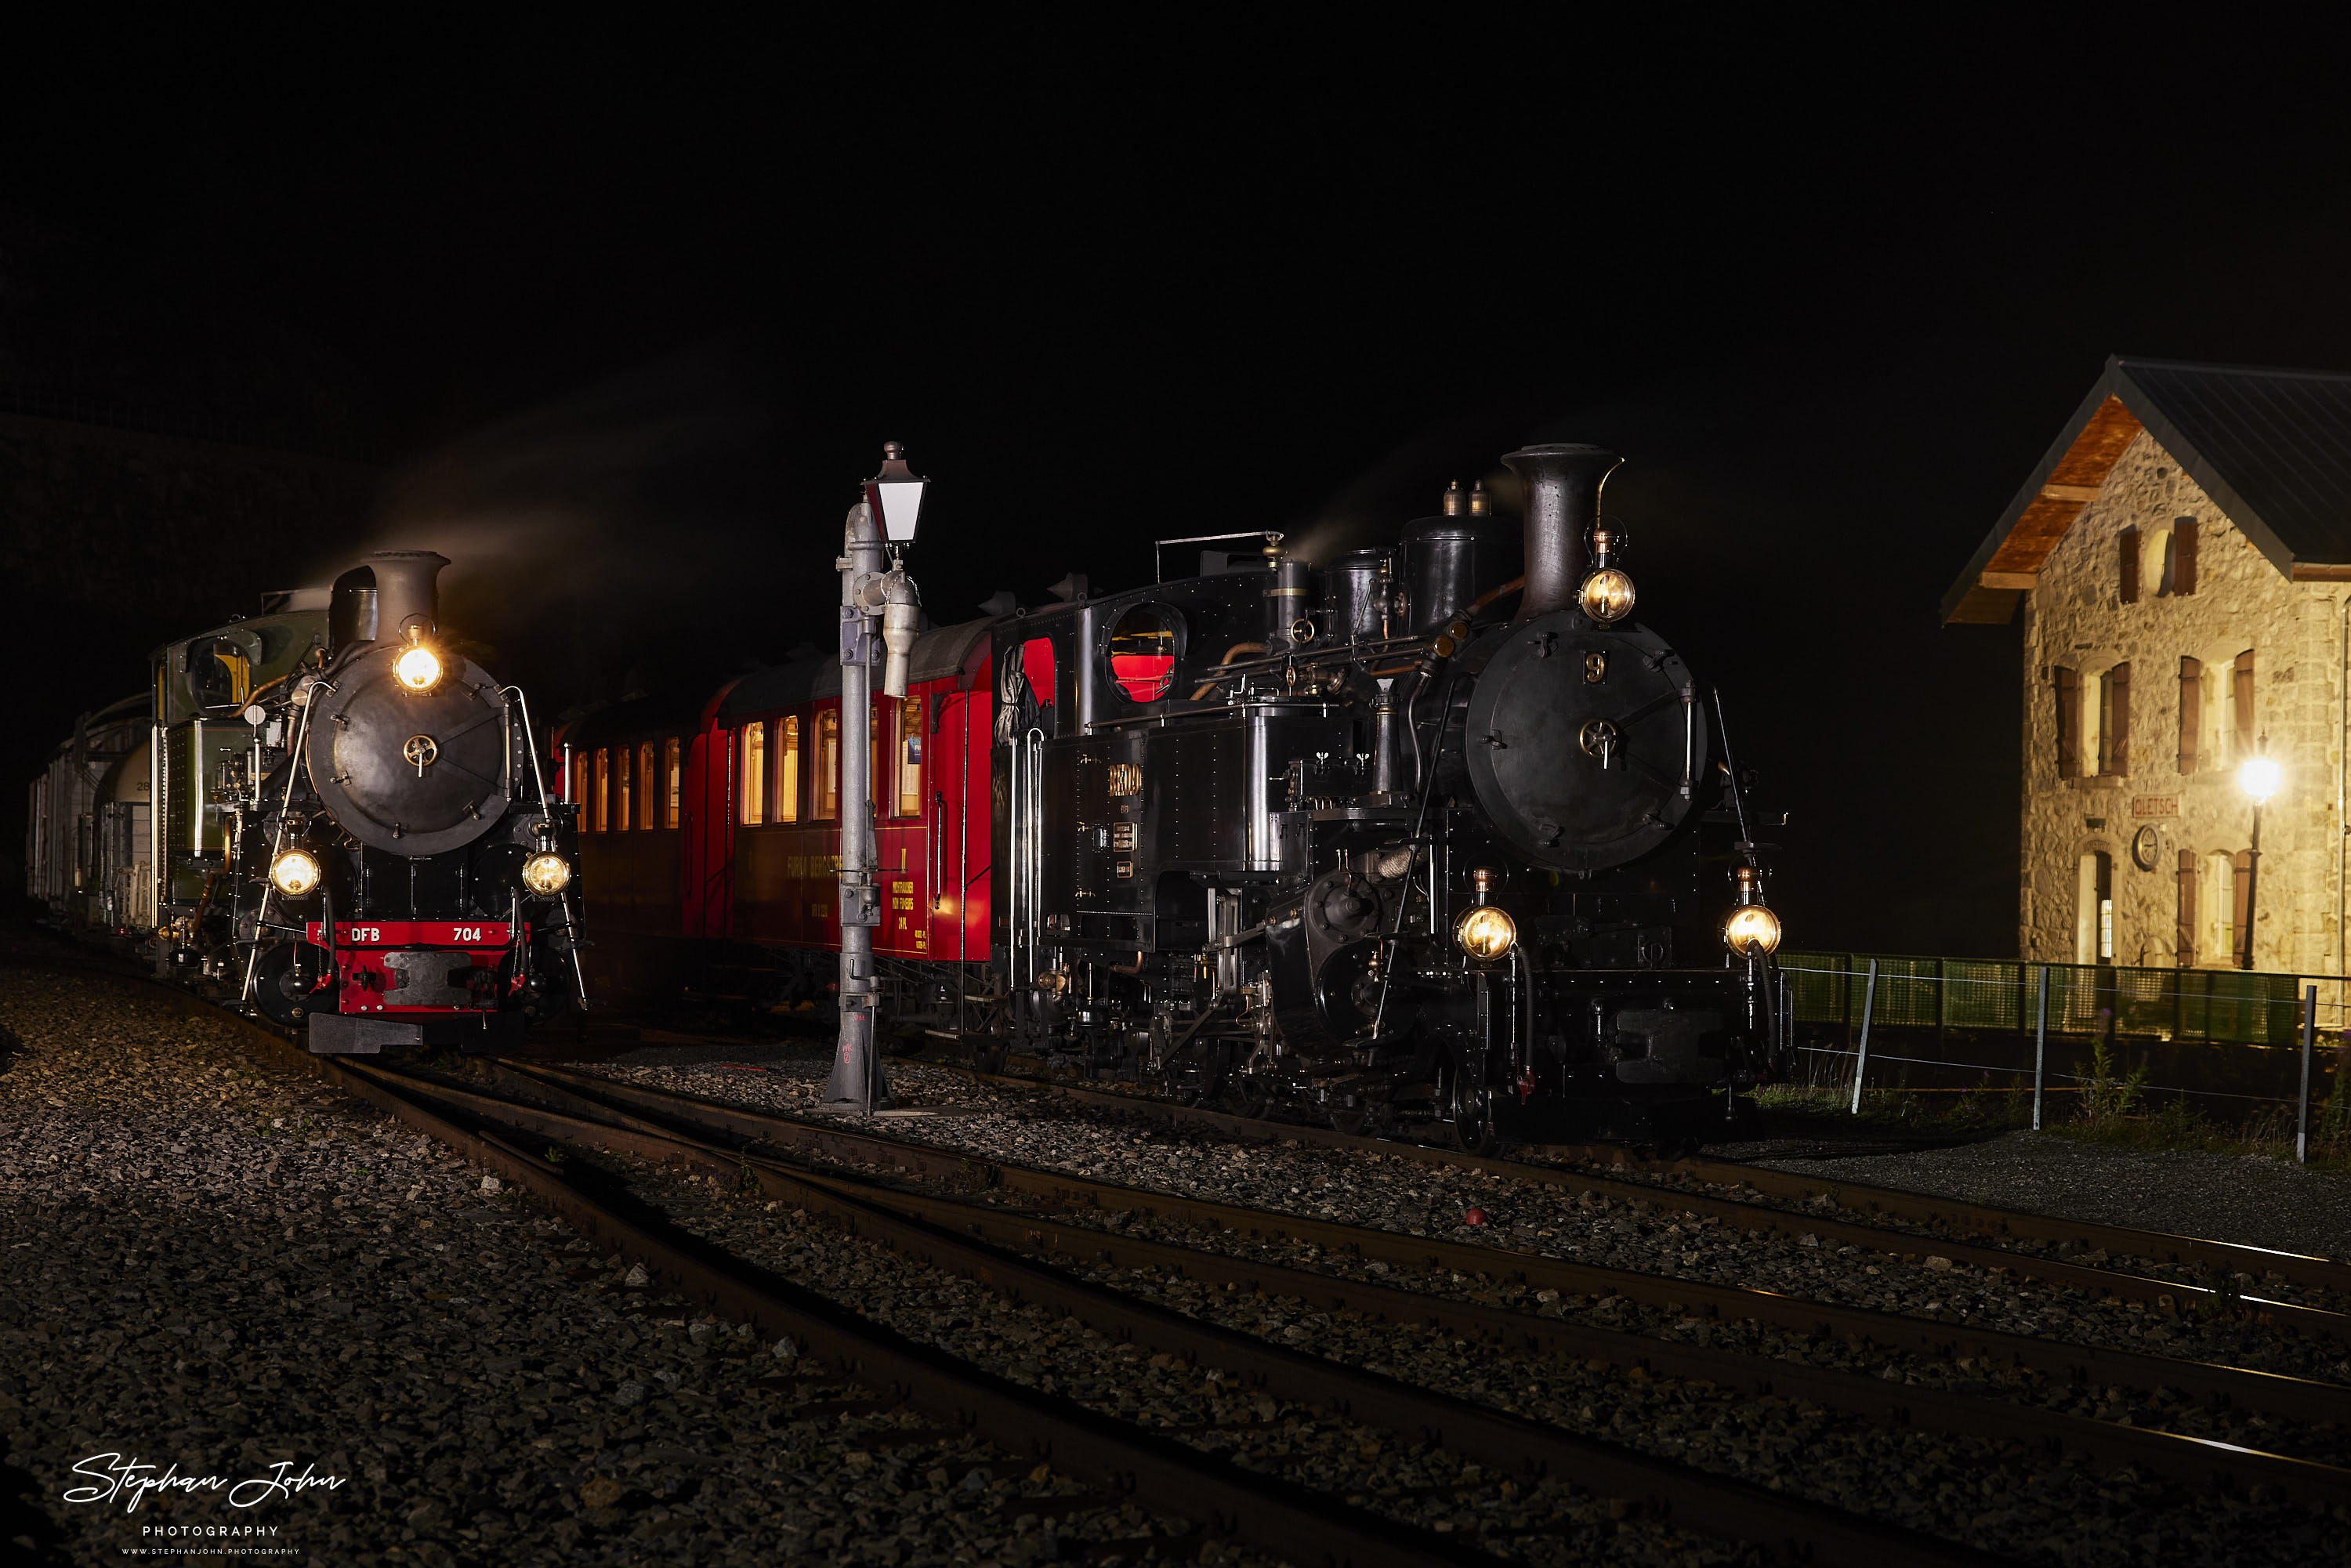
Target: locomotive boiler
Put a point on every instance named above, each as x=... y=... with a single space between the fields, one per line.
x=329 y=815
x=1434 y=838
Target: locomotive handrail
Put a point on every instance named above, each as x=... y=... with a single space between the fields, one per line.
x=1268 y=535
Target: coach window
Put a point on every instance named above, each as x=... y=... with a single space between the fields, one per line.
x=621 y=823
x=580 y=766
x=603 y=782
x=788 y=770
x=648 y=789
x=828 y=765
x=909 y=758
x=753 y=793
x=670 y=783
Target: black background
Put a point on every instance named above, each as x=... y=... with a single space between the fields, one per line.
x=625 y=314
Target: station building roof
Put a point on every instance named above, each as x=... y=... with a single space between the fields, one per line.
x=2270 y=447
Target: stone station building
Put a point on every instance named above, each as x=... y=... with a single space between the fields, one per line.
x=2181 y=561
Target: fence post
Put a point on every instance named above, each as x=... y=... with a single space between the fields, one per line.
x=2309 y=1038
x=1861 y=1061
x=2041 y=1048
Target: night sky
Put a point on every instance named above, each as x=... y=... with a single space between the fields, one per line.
x=624 y=318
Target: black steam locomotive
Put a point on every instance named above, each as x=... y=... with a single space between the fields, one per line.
x=1416 y=840
x=327 y=814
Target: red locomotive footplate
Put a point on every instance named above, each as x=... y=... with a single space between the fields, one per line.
x=415 y=934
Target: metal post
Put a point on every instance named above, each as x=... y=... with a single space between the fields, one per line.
x=1861 y=1061
x=2252 y=888
x=2041 y=1047
x=2309 y=1038
x=856 y=1080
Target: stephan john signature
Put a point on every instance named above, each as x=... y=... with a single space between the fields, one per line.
x=116 y=1475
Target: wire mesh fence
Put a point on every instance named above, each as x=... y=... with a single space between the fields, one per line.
x=2096 y=1040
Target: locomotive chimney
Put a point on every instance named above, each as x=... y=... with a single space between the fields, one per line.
x=1562 y=498
x=405 y=593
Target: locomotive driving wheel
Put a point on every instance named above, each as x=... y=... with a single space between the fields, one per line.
x=1466 y=1104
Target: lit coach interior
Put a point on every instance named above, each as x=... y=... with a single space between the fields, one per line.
x=710 y=836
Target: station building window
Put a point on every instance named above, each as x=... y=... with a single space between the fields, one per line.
x=671 y=783
x=2094 y=928
x=754 y=793
x=788 y=769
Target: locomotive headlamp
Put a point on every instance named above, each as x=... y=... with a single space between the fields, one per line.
x=1608 y=595
x=418 y=667
x=294 y=872
x=1486 y=933
x=1752 y=931
x=547 y=873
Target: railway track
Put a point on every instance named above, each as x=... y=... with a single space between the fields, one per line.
x=1125 y=1465
x=2192 y=1460
x=961 y=1219
x=1941 y=1223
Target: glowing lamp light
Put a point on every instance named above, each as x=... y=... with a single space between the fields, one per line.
x=2260 y=779
x=1486 y=933
x=418 y=668
x=294 y=872
x=1608 y=595
x=896 y=496
x=1752 y=931
x=547 y=873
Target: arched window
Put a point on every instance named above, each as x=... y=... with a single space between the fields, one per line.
x=2216 y=898
x=753 y=794
x=2094 y=924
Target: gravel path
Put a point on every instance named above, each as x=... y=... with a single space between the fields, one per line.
x=2189 y=1192
x=230 y=1271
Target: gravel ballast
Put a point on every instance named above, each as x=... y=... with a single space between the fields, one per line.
x=226 y=1270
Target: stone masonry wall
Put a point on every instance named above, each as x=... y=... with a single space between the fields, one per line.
x=2074 y=617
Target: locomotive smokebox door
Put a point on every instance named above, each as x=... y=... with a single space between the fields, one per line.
x=413 y=773
x=1546 y=786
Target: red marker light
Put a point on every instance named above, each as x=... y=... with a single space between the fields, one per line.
x=1474 y=1216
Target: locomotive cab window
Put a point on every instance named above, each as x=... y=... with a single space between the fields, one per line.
x=754 y=793
x=1143 y=645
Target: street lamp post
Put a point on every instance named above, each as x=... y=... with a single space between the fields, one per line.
x=874 y=587
x=2259 y=779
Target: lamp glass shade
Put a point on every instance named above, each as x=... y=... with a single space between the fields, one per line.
x=2260 y=777
x=898 y=505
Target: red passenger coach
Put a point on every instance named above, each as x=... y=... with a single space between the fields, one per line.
x=710 y=837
